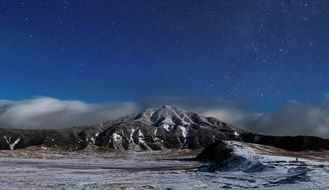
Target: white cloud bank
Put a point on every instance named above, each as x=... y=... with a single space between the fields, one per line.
x=45 y=113
x=294 y=118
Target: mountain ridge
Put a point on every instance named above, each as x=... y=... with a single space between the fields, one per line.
x=152 y=129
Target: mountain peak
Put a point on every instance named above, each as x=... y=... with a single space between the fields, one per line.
x=167 y=114
x=166 y=107
x=171 y=108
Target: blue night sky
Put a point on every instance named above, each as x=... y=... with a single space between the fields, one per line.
x=263 y=51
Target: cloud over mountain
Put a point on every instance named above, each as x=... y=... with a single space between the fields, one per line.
x=294 y=118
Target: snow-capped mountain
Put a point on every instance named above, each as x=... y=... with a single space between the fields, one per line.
x=164 y=127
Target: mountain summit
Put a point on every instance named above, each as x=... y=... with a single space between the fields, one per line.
x=170 y=115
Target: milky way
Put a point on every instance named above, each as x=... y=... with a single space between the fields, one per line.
x=265 y=51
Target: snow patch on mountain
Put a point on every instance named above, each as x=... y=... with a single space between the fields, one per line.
x=117 y=141
x=184 y=131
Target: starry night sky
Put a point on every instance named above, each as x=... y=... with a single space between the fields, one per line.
x=264 y=51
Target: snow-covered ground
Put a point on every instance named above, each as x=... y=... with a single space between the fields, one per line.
x=49 y=169
x=265 y=167
x=133 y=170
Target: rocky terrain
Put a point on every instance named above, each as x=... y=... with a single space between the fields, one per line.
x=74 y=138
x=247 y=165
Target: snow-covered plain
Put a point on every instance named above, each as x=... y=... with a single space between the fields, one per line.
x=44 y=168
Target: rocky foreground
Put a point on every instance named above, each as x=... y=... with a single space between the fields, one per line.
x=223 y=165
x=261 y=166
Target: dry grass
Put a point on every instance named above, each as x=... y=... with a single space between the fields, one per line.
x=39 y=152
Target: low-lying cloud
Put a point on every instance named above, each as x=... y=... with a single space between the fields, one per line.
x=45 y=113
x=294 y=118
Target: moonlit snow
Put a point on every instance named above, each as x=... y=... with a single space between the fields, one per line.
x=35 y=168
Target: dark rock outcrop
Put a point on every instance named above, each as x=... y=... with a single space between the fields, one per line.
x=217 y=152
x=231 y=156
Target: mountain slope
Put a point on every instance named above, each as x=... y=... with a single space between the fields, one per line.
x=75 y=138
x=165 y=127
